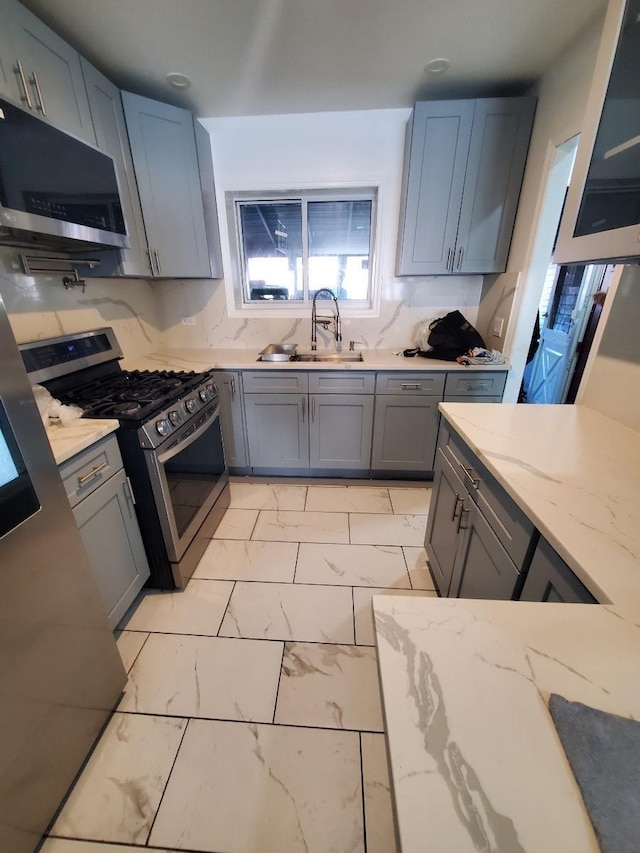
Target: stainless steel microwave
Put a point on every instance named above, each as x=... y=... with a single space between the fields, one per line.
x=601 y=219
x=54 y=189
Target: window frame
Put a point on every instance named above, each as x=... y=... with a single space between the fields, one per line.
x=369 y=307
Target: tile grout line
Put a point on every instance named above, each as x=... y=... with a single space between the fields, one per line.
x=295 y=568
x=364 y=812
x=275 y=704
x=406 y=562
x=217 y=634
x=166 y=785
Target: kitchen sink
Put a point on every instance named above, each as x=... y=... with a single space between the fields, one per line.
x=332 y=357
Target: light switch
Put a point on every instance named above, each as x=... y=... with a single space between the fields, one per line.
x=497 y=327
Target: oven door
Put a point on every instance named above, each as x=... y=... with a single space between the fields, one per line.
x=188 y=473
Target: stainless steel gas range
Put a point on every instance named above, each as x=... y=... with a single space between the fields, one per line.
x=169 y=436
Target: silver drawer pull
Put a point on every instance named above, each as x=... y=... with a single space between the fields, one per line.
x=468 y=472
x=36 y=85
x=407 y=386
x=462 y=526
x=25 y=89
x=482 y=386
x=93 y=473
x=128 y=490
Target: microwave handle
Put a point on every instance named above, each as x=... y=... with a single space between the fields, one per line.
x=182 y=445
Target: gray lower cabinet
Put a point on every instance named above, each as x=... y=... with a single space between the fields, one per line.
x=43 y=71
x=340 y=428
x=229 y=385
x=405 y=431
x=277 y=430
x=550 y=579
x=478 y=541
x=102 y=502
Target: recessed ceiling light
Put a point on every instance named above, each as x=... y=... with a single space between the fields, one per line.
x=180 y=81
x=437 y=66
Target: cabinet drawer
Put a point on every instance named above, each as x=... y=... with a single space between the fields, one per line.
x=410 y=383
x=510 y=524
x=84 y=473
x=275 y=382
x=343 y=382
x=477 y=384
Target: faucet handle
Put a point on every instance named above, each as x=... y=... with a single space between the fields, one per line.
x=352 y=345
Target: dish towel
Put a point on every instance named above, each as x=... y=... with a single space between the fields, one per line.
x=478 y=355
x=604 y=754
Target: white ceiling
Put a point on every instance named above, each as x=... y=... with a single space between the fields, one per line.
x=254 y=57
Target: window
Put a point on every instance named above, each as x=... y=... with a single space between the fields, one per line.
x=289 y=245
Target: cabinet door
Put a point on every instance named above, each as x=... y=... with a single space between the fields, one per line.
x=277 y=430
x=404 y=434
x=109 y=529
x=340 y=431
x=550 y=579
x=8 y=67
x=443 y=523
x=111 y=137
x=483 y=568
x=166 y=165
x=53 y=73
x=231 y=418
x=497 y=156
x=435 y=164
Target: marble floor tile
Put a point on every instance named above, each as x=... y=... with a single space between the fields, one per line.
x=67 y=845
x=267 y=496
x=347 y=499
x=369 y=529
x=275 y=611
x=263 y=789
x=331 y=686
x=129 y=645
x=352 y=565
x=196 y=609
x=236 y=524
x=232 y=559
x=302 y=527
x=210 y=677
x=118 y=793
x=364 y=615
x=378 y=811
x=411 y=501
x=416 y=559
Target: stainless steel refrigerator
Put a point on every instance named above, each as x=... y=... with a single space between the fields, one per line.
x=60 y=672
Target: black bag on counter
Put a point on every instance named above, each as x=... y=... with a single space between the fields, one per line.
x=451 y=336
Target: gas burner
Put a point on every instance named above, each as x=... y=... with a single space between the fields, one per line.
x=125 y=409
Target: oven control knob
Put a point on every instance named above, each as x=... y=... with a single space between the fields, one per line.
x=191 y=405
x=175 y=417
x=163 y=427
x=205 y=395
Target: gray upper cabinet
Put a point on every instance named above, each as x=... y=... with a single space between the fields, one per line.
x=165 y=157
x=45 y=72
x=463 y=172
x=111 y=136
x=340 y=431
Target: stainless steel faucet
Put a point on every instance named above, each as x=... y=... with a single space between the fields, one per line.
x=324 y=321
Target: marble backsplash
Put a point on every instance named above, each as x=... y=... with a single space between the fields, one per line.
x=405 y=305
x=40 y=307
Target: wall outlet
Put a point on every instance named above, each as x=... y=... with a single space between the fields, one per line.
x=498 y=325
x=188 y=321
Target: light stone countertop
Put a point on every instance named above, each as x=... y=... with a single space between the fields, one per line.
x=247 y=359
x=576 y=475
x=66 y=441
x=475 y=760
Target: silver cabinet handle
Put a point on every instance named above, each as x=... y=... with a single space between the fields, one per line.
x=128 y=491
x=455 y=508
x=150 y=256
x=233 y=387
x=468 y=472
x=36 y=85
x=157 y=257
x=460 y=254
x=25 y=96
x=93 y=473
x=449 y=253
x=462 y=512
x=408 y=386
x=304 y=408
x=313 y=409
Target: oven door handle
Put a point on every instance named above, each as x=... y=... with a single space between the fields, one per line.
x=182 y=445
